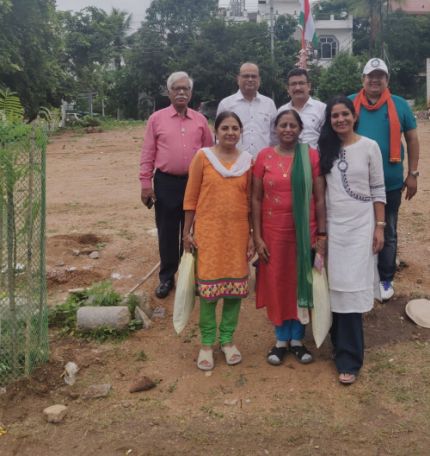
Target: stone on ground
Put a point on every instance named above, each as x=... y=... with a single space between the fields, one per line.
x=55 y=413
x=91 y=317
x=96 y=391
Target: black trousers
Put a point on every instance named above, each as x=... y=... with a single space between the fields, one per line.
x=348 y=342
x=169 y=217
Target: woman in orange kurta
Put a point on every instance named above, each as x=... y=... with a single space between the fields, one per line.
x=217 y=207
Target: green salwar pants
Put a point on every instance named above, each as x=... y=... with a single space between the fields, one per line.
x=229 y=320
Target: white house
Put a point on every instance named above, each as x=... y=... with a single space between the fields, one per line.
x=334 y=35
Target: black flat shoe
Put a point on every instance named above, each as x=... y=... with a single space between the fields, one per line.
x=276 y=355
x=302 y=354
x=163 y=289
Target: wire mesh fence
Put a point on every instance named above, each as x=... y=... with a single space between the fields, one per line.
x=23 y=307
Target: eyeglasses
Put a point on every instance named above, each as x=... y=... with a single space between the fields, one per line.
x=248 y=76
x=297 y=83
x=180 y=89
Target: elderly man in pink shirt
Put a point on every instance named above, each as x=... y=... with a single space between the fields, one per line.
x=173 y=136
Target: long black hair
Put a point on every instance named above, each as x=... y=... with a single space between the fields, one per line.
x=329 y=143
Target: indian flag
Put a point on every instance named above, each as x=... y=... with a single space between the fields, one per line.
x=306 y=22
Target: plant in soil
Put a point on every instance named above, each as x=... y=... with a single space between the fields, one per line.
x=63 y=316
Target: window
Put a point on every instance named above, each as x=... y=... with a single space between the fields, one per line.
x=328 y=47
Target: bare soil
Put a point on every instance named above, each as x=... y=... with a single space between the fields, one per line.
x=249 y=409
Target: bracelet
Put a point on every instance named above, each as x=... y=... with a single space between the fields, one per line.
x=321 y=233
x=378 y=223
x=322 y=237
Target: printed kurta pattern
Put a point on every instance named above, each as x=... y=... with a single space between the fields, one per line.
x=221 y=229
x=277 y=280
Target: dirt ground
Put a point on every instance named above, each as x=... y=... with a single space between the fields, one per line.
x=249 y=409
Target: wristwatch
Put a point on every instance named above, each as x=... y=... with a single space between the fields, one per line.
x=415 y=173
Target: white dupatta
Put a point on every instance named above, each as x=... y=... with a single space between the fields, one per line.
x=239 y=167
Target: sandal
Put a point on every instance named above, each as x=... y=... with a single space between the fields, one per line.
x=276 y=355
x=232 y=354
x=347 y=379
x=302 y=354
x=205 y=361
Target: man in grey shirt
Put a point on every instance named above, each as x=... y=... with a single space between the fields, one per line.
x=257 y=112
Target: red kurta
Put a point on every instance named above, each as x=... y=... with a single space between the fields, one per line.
x=277 y=280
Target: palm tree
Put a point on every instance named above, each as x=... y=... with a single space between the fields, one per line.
x=120 y=23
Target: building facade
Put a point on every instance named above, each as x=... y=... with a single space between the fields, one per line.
x=411 y=6
x=334 y=35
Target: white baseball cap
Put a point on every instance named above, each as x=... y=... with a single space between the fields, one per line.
x=375 y=64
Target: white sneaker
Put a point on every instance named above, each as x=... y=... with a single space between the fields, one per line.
x=387 y=290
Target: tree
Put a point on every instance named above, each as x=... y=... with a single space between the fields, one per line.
x=406 y=52
x=342 y=77
x=174 y=20
x=95 y=45
x=30 y=49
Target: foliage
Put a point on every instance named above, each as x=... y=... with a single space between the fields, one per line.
x=406 y=52
x=10 y=106
x=89 y=121
x=342 y=77
x=63 y=315
x=30 y=53
x=213 y=63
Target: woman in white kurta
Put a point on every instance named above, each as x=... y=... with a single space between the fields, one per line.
x=355 y=199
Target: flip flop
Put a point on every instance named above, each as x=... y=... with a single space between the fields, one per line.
x=347 y=379
x=205 y=361
x=232 y=354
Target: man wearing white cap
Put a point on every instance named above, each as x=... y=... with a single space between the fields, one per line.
x=384 y=117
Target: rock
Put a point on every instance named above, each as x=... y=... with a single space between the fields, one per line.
x=59 y=263
x=76 y=252
x=140 y=315
x=96 y=391
x=231 y=401
x=95 y=255
x=70 y=371
x=159 y=312
x=55 y=413
x=142 y=384
x=91 y=317
x=2 y=390
x=77 y=291
x=145 y=303
x=152 y=232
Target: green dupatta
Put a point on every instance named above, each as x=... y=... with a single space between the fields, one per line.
x=301 y=185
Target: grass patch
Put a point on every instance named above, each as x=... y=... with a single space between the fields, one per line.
x=105 y=123
x=63 y=316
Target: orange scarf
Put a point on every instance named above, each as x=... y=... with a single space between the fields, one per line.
x=393 y=118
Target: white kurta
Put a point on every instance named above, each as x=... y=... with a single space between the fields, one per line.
x=355 y=182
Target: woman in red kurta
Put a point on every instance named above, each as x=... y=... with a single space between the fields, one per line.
x=275 y=235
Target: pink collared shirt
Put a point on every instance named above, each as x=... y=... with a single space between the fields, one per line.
x=171 y=142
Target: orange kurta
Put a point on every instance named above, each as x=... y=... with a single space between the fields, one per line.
x=221 y=228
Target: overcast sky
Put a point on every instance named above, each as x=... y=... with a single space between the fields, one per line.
x=136 y=7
